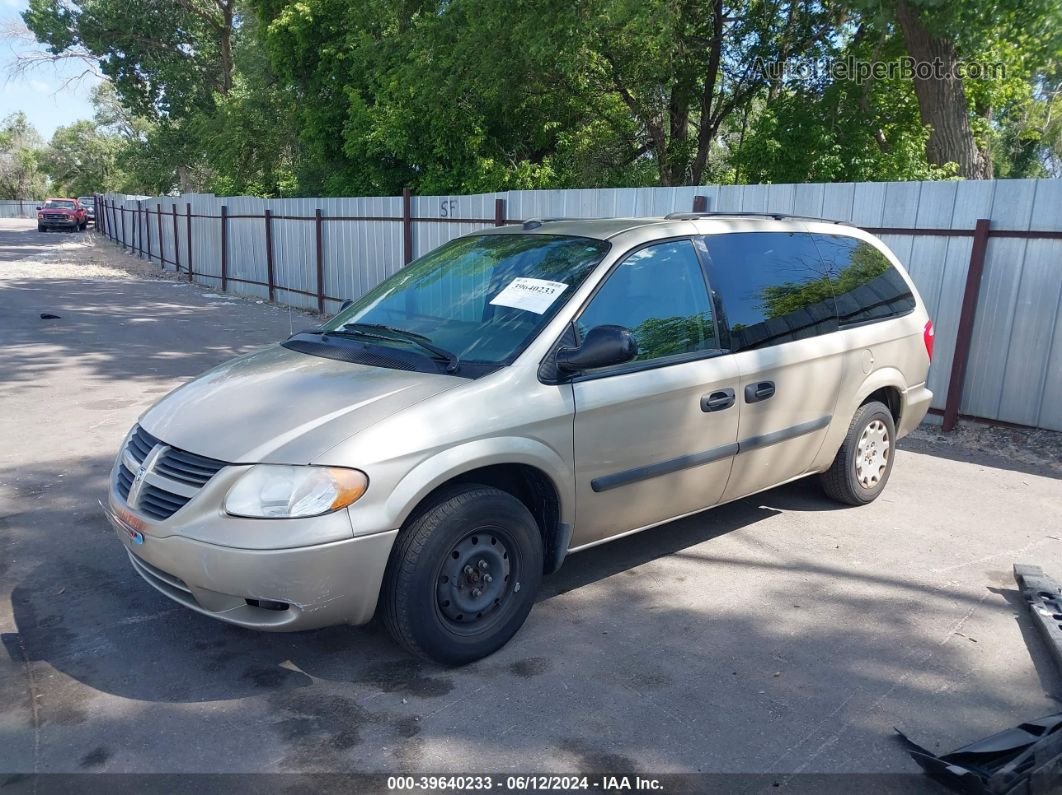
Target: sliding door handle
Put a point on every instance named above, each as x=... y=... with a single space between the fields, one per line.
x=761 y=390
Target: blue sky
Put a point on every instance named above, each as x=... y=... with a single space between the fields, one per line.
x=40 y=94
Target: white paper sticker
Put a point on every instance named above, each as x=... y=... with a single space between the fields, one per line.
x=533 y=295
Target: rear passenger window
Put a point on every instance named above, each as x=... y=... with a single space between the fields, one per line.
x=659 y=295
x=774 y=286
x=866 y=285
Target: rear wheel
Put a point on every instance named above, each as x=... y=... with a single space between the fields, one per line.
x=463 y=575
x=862 y=466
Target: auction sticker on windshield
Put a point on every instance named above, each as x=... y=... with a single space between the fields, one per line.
x=532 y=295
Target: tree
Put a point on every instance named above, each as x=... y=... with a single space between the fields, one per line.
x=1015 y=32
x=163 y=58
x=82 y=159
x=827 y=128
x=20 y=150
x=942 y=100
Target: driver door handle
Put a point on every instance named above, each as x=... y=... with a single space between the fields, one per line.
x=718 y=400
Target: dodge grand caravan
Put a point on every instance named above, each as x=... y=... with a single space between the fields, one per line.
x=514 y=396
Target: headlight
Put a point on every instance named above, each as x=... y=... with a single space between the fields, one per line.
x=269 y=491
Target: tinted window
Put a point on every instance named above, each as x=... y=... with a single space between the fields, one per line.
x=774 y=286
x=658 y=293
x=865 y=283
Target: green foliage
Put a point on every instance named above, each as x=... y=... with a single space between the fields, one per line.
x=163 y=58
x=21 y=176
x=366 y=97
x=81 y=159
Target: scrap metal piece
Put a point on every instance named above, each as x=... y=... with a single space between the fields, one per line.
x=1044 y=597
x=1025 y=760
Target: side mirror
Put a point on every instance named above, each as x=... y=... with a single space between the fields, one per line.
x=348 y=303
x=38 y=207
x=603 y=346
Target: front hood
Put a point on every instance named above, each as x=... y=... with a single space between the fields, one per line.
x=282 y=406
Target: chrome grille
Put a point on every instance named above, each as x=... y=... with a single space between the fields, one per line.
x=158 y=480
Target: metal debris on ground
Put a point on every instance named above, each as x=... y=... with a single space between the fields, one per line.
x=1025 y=760
x=1044 y=597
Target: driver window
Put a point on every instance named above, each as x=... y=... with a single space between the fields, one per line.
x=658 y=293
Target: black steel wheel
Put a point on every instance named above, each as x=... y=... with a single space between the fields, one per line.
x=463 y=575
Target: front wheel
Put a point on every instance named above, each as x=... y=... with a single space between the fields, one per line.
x=463 y=575
x=862 y=466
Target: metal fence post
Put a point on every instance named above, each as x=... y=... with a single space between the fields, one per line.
x=224 y=248
x=964 y=335
x=407 y=226
x=124 y=244
x=499 y=212
x=176 y=242
x=188 y=217
x=147 y=229
x=320 y=260
x=270 y=277
x=162 y=248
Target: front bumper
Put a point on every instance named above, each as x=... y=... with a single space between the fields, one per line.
x=303 y=587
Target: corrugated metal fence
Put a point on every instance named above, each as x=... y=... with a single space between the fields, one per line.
x=1003 y=316
x=18 y=208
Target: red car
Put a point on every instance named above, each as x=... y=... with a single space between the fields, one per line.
x=61 y=214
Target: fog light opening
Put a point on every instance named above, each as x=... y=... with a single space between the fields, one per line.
x=268 y=604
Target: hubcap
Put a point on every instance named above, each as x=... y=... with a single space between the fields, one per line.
x=872 y=454
x=475 y=578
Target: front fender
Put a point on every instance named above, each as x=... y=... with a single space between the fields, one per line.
x=448 y=464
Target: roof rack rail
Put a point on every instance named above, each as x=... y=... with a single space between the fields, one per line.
x=692 y=216
x=535 y=223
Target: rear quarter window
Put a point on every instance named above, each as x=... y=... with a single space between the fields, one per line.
x=866 y=285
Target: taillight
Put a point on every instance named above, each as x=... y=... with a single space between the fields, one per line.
x=927 y=338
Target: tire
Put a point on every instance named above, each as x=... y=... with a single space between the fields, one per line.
x=41 y=228
x=862 y=466
x=439 y=601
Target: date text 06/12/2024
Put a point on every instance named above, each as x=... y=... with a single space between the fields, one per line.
x=526 y=783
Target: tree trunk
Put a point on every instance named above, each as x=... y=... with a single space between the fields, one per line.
x=706 y=127
x=941 y=100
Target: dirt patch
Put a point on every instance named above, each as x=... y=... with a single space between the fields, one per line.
x=79 y=255
x=1032 y=446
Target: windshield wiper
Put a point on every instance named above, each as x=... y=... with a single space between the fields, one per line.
x=380 y=331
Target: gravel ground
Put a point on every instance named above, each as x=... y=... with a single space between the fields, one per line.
x=778 y=635
x=73 y=255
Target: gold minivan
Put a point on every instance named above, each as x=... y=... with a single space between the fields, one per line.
x=514 y=396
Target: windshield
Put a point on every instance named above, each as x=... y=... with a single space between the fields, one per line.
x=481 y=298
x=85 y=199
x=59 y=204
